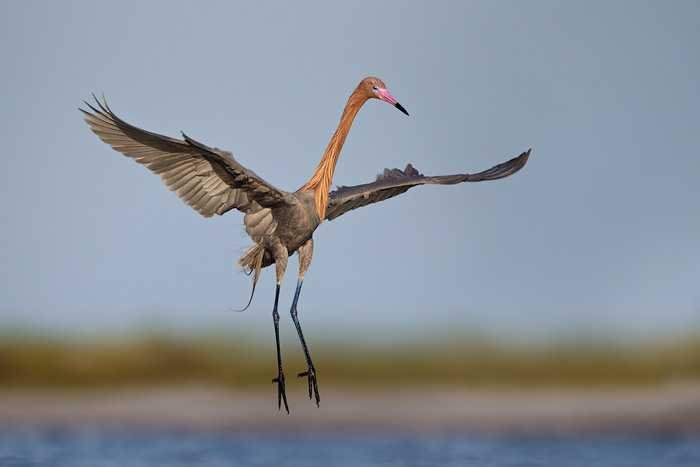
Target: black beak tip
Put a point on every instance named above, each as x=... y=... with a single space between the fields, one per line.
x=400 y=107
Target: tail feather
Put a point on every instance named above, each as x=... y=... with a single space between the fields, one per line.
x=252 y=262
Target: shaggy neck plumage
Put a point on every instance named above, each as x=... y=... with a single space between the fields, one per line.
x=322 y=179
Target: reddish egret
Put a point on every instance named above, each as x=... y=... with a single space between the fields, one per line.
x=280 y=222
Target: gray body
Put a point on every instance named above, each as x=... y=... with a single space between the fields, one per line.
x=290 y=230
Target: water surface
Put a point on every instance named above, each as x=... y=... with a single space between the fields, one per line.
x=126 y=448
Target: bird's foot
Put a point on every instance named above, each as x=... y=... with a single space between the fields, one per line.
x=281 y=394
x=313 y=386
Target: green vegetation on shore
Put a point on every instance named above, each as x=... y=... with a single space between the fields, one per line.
x=162 y=359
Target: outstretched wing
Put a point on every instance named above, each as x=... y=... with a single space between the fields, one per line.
x=209 y=180
x=394 y=182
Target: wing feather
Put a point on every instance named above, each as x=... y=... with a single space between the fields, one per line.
x=393 y=182
x=209 y=180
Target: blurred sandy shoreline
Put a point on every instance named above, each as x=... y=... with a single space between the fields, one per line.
x=672 y=408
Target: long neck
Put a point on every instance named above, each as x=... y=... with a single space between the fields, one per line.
x=321 y=180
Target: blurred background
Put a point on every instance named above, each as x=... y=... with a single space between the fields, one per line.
x=581 y=270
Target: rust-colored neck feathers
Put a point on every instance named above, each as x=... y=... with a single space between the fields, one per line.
x=323 y=177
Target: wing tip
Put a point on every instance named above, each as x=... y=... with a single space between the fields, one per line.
x=522 y=159
x=515 y=165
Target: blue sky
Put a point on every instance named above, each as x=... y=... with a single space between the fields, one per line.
x=599 y=234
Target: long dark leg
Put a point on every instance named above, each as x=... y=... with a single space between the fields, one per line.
x=281 y=394
x=311 y=372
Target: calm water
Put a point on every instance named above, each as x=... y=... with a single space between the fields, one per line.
x=107 y=448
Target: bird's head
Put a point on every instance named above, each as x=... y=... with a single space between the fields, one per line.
x=375 y=88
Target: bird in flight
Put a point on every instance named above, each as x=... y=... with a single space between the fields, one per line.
x=279 y=222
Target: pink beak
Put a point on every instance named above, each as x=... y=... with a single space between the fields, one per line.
x=386 y=97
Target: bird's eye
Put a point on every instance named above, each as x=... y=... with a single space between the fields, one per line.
x=374 y=88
